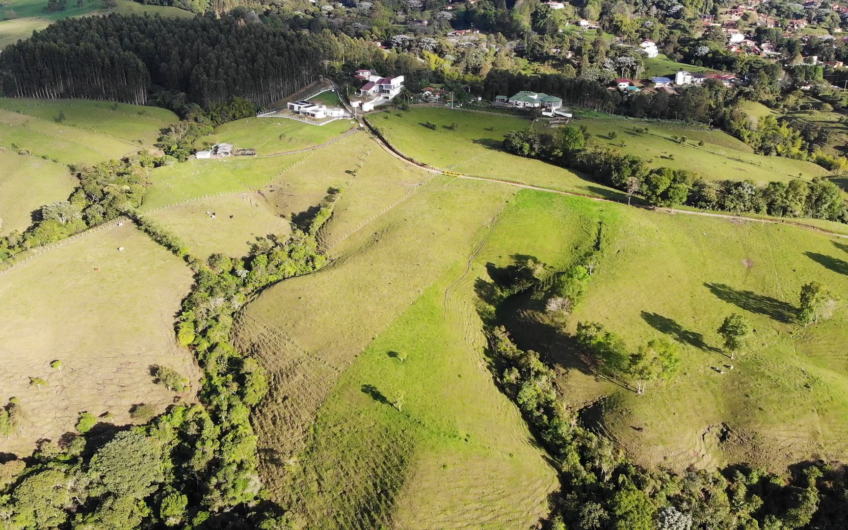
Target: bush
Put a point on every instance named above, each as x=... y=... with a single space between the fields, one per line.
x=143 y=413
x=171 y=379
x=85 y=423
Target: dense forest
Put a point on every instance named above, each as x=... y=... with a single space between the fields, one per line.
x=120 y=58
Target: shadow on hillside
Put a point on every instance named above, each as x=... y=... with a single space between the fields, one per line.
x=489 y=143
x=676 y=331
x=841 y=246
x=375 y=394
x=753 y=302
x=829 y=262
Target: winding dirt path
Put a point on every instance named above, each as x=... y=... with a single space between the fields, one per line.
x=672 y=211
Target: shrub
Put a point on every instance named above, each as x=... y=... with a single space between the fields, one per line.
x=171 y=379
x=143 y=413
x=85 y=423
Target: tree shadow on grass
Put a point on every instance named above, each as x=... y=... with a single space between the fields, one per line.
x=841 y=246
x=489 y=143
x=375 y=394
x=676 y=331
x=753 y=302
x=829 y=262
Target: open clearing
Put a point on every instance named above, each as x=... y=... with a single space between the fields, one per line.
x=60 y=142
x=197 y=179
x=721 y=157
x=238 y=220
x=31 y=16
x=133 y=123
x=107 y=327
x=662 y=66
x=679 y=276
x=364 y=459
x=475 y=149
x=26 y=184
x=275 y=135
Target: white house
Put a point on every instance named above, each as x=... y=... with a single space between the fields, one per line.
x=556 y=5
x=649 y=48
x=622 y=83
x=223 y=149
x=203 y=154
x=735 y=36
x=386 y=87
x=315 y=111
x=661 y=81
x=683 y=77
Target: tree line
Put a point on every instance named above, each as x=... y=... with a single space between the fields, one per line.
x=195 y=465
x=120 y=58
x=568 y=147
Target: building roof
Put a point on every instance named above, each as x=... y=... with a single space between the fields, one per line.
x=368 y=86
x=622 y=80
x=384 y=81
x=533 y=97
x=500 y=97
x=661 y=80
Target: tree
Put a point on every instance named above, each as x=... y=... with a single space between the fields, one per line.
x=734 y=331
x=128 y=466
x=169 y=378
x=816 y=301
x=173 y=508
x=632 y=509
x=632 y=186
x=62 y=211
x=37 y=382
x=86 y=422
x=56 y=365
x=669 y=518
x=660 y=358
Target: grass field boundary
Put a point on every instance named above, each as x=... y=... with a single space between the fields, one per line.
x=314 y=147
x=393 y=150
x=233 y=192
x=13 y=262
x=62 y=101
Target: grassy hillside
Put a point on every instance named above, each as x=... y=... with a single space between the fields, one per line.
x=19 y=18
x=662 y=66
x=679 y=276
x=275 y=135
x=60 y=142
x=201 y=178
x=474 y=148
x=361 y=460
x=721 y=157
x=132 y=123
x=26 y=184
x=106 y=314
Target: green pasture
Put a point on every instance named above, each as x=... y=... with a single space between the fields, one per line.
x=474 y=148
x=107 y=314
x=26 y=184
x=226 y=223
x=275 y=135
x=196 y=179
x=359 y=460
x=662 y=66
x=132 y=123
x=330 y=99
x=59 y=142
x=30 y=15
x=678 y=276
x=721 y=157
